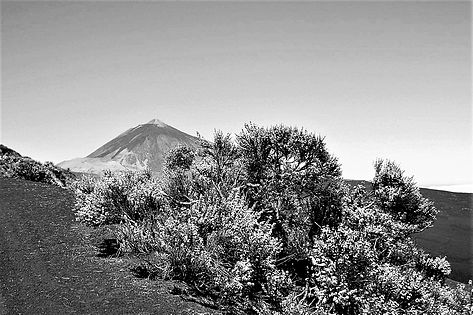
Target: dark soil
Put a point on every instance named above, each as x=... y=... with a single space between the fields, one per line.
x=49 y=264
x=452 y=233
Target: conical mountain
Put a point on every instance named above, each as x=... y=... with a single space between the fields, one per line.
x=138 y=148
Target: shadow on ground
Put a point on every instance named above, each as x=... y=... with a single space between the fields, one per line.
x=108 y=248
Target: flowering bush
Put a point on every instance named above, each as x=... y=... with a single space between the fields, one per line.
x=223 y=250
x=29 y=169
x=115 y=197
x=265 y=225
x=370 y=265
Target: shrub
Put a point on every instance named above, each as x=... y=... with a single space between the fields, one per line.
x=180 y=157
x=370 y=265
x=399 y=196
x=25 y=168
x=265 y=225
x=222 y=249
x=293 y=177
x=115 y=197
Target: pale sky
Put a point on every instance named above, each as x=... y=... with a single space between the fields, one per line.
x=377 y=79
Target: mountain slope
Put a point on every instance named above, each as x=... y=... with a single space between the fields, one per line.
x=138 y=148
x=452 y=233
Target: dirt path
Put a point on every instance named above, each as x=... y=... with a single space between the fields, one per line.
x=47 y=266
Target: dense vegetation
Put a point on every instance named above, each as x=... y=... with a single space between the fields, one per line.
x=265 y=225
x=13 y=165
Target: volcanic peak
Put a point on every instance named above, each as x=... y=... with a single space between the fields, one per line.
x=156 y=122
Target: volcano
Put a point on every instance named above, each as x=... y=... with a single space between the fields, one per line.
x=138 y=148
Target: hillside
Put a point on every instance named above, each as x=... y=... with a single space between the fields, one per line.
x=452 y=232
x=138 y=148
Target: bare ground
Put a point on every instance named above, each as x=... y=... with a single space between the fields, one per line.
x=49 y=264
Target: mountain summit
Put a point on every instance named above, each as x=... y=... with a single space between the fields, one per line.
x=138 y=148
x=157 y=122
